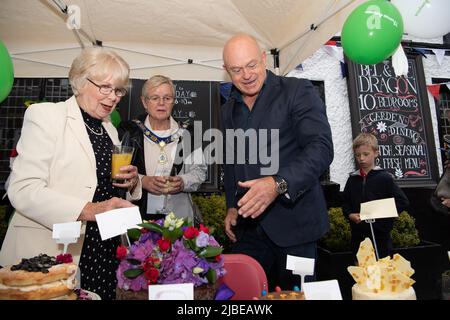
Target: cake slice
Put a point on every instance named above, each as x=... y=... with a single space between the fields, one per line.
x=39 y=278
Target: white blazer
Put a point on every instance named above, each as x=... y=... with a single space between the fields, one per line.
x=52 y=179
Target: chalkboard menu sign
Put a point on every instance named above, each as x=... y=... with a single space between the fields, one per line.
x=396 y=111
x=194 y=101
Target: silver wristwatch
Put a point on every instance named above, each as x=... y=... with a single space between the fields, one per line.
x=281 y=185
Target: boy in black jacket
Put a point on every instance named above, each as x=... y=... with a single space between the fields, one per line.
x=369 y=183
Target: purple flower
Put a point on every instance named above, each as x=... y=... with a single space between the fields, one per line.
x=219 y=267
x=136 y=284
x=202 y=240
x=176 y=266
x=213 y=242
x=204 y=265
x=153 y=236
x=140 y=251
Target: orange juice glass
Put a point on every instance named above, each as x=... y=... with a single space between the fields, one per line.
x=121 y=156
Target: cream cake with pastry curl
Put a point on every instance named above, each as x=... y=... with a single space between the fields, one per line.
x=385 y=279
x=39 y=278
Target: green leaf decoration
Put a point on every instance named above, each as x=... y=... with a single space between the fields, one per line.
x=133 y=273
x=172 y=235
x=133 y=234
x=179 y=232
x=211 y=275
x=190 y=244
x=210 y=252
x=152 y=227
x=134 y=261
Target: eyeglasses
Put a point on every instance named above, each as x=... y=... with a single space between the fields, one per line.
x=156 y=99
x=249 y=67
x=106 y=90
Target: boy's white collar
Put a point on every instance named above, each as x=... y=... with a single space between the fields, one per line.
x=358 y=173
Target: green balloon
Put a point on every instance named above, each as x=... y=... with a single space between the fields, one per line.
x=115 y=118
x=6 y=72
x=372 y=32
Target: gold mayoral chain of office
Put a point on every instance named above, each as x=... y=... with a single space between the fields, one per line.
x=162 y=142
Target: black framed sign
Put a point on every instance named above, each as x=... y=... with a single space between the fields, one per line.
x=194 y=101
x=396 y=111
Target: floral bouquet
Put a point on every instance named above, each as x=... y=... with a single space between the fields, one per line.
x=168 y=251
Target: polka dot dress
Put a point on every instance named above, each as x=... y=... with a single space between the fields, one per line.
x=98 y=263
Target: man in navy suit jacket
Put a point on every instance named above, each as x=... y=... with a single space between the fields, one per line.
x=272 y=215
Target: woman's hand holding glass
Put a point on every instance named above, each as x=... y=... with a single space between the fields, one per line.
x=162 y=185
x=175 y=185
x=156 y=185
x=129 y=175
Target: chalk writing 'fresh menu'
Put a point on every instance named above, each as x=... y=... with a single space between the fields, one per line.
x=392 y=108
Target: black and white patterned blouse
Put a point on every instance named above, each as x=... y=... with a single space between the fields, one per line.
x=98 y=263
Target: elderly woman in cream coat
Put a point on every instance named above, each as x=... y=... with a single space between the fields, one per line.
x=62 y=172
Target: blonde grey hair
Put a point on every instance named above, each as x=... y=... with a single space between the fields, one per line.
x=365 y=139
x=98 y=64
x=155 y=82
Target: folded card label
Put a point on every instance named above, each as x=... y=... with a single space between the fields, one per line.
x=66 y=233
x=182 y=291
x=299 y=265
x=322 y=290
x=66 y=230
x=384 y=208
x=116 y=222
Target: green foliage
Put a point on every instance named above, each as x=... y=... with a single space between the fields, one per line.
x=133 y=234
x=133 y=273
x=404 y=233
x=213 y=209
x=338 y=238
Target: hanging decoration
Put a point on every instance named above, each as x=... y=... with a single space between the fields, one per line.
x=6 y=72
x=335 y=52
x=372 y=32
x=115 y=118
x=400 y=62
x=439 y=53
x=435 y=89
x=425 y=18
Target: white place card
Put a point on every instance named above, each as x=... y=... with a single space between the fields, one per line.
x=300 y=265
x=66 y=230
x=182 y=291
x=384 y=208
x=66 y=233
x=116 y=222
x=322 y=290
